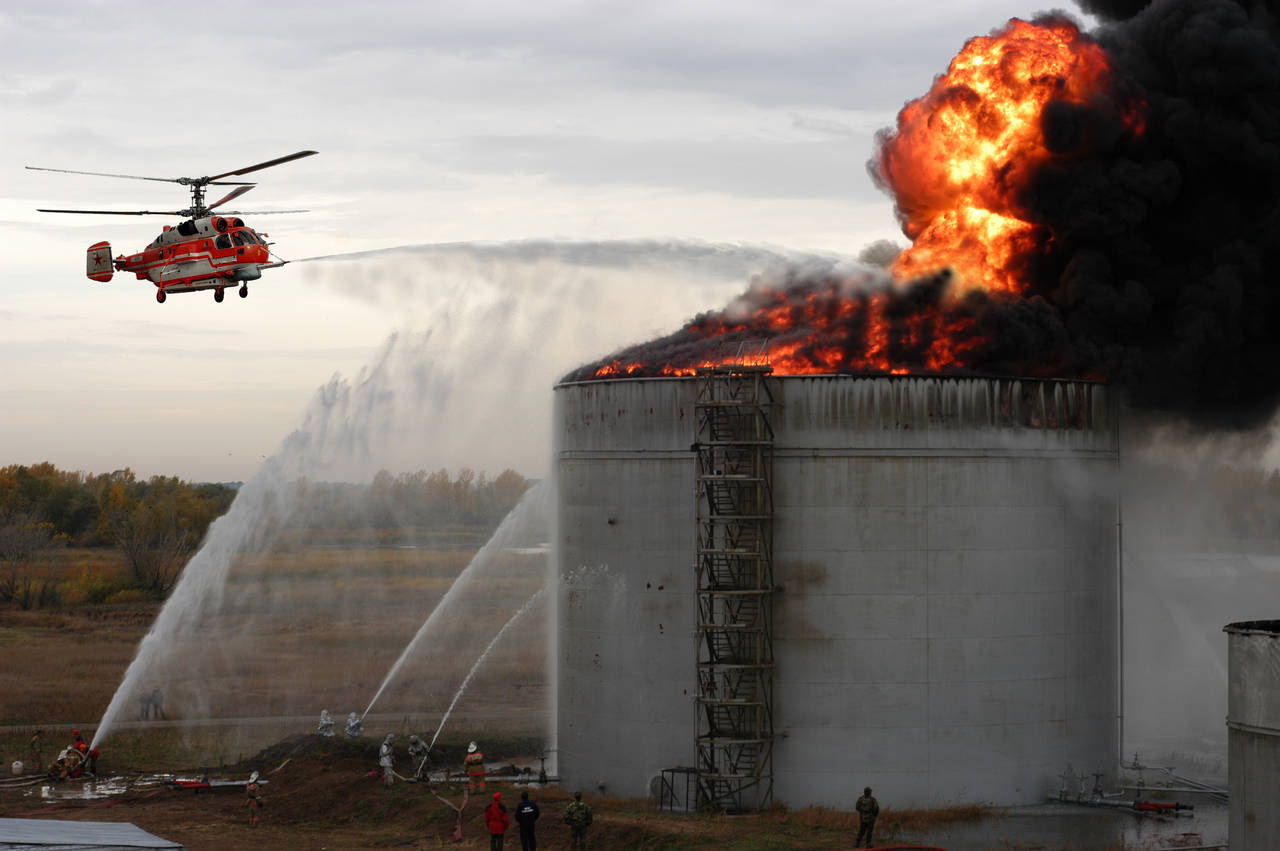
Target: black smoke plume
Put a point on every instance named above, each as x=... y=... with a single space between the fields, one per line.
x=1161 y=271
x=1165 y=266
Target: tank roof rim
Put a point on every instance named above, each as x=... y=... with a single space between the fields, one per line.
x=1265 y=627
x=844 y=375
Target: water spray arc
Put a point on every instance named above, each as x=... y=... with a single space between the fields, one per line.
x=201 y=586
x=480 y=661
x=529 y=511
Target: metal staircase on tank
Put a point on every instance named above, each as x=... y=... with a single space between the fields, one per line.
x=734 y=449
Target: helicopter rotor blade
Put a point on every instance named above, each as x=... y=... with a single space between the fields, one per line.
x=258 y=212
x=116 y=212
x=234 y=193
x=277 y=161
x=105 y=174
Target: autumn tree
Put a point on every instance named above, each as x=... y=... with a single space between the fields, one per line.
x=23 y=539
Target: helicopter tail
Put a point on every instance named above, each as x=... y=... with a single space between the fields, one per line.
x=98 y=264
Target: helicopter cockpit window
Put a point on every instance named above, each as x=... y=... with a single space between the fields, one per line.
x=223 y=241
x=237 y=237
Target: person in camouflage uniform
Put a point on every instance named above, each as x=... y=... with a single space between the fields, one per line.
x=578 y=816
x=868 y=808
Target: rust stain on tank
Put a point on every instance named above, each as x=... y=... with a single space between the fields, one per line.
x=801 y=575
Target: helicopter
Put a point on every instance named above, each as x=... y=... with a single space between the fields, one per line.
x=208 y=251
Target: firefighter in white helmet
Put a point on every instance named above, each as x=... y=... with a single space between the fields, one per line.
x=474 y=763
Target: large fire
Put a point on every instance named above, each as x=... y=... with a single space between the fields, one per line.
x=960 y=159
x=958 y=165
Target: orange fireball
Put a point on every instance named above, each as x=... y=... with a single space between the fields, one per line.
x=960 y=158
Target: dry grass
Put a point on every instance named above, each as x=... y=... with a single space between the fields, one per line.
x=890 y=820
x=63 y=667
x=308 y=629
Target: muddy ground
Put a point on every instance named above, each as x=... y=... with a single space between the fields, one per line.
x=328 y=794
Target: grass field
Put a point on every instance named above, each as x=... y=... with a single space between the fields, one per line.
x=297 y=632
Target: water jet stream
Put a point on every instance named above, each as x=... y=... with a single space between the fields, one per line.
x=467 y=680
x=528 y=510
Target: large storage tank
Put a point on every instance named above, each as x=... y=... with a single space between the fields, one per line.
x=946 y=548
x=1253 y=733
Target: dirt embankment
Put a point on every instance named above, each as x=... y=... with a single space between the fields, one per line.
x=328 y=793
x=320 y=793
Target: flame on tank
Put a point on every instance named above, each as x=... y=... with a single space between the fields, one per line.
x=960 y=162
x=960 y=165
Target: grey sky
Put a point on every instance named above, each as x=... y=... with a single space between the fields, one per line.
x=704 y=122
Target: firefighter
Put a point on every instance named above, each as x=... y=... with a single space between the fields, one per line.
x=60 y=768
x=387 y=758
x=68 y=765
x=253 y=793
x=418 y=751
x=474 y=763
x=326 y=724
x=78 y=742
x=355 y=726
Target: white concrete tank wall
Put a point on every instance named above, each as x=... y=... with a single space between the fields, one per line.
x=947 y=549
x=1253 y=734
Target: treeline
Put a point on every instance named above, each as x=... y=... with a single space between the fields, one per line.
x=157 y=523
x=86 y=510
x=418 y=500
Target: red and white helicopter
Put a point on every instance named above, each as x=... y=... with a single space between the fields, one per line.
x=206 y=252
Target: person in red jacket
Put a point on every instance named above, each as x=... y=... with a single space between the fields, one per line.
x=495 y=816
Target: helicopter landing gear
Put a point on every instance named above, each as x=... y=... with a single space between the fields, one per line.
x=160 y=296
x=244 y=291
x=217 y=294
